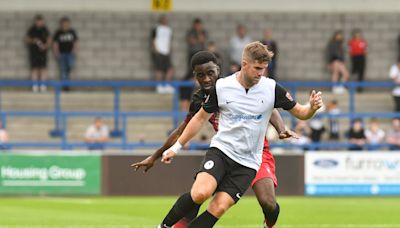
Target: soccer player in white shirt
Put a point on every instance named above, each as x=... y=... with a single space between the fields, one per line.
x=245 y=101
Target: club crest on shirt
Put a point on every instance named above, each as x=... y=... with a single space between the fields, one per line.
x=289 y=96
x=209 y=164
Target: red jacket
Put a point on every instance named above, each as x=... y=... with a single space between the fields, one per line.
x=358 y=47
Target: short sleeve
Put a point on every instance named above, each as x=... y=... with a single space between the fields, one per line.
x=283 y=99
x=211 y=103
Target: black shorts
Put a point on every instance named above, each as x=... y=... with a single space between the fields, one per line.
x=162 y=62
x=38 y=59
x=232 y=177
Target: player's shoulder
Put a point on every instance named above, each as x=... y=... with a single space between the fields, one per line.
x=266 y=81
x=198 y=95
x=224 y=81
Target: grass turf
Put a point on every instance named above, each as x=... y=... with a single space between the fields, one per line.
x=146 y=212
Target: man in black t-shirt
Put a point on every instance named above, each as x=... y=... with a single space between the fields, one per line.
x=65 y=48
x=38 y=41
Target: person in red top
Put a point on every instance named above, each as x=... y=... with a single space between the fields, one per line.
x=358 y=51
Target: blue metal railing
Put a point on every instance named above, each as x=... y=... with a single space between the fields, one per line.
x=120 y=118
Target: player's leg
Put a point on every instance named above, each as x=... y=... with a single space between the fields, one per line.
x=184 y=222
x=265 y=193
x=221 y=202
x=233 y=185
x=211 y=172
x=202 y=189
x=264 y=185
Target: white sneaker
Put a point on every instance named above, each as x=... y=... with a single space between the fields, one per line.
x=169 y=89
x=43 y=88
x=160 y=89
x=338 y=89
x=35 y=88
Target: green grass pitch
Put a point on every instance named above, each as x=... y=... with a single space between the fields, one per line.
x=146 y=212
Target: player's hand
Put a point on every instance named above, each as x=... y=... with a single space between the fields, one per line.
x=316 y=100
x=167 y=156
x=146 y=163
x=288 y=134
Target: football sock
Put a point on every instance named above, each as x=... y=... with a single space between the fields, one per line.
x=271 y=217
x=181 y=207
x=183 y=223
x=205 y=220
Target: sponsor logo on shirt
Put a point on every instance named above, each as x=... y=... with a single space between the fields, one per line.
x=238 y=117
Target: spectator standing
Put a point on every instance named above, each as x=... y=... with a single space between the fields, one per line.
x=393 y=138
x=161 y=53
x=38 y=41
x=272 y=46
x=97 y=135
x=335 y=58
x=394 y=74
x=237 y=44
x=65 y=48
x=374 y=134
x=358 y=52
x=196 y=39
x=357 y=135
x=334 y=128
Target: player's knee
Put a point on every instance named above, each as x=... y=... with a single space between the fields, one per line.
x=268 y=203
x=218 y=208
x=200 y=195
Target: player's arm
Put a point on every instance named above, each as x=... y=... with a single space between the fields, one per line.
x=149 y=161
x=210 y=106
x=303 y=112
x=193 y=127
x=277 y=122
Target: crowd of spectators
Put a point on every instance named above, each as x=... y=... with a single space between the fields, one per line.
x=39 y=41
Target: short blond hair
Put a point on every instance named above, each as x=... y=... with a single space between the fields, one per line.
x=256 y=51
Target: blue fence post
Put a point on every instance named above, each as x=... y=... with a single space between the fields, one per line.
x=176 y=110
x=352 y=92
x=124 y=132
x=64 y=139
x=58 y=131
x=116 y=132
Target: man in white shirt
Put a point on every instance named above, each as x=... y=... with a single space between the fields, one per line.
x=161 y=52
x=97 y=134
x=245 y=101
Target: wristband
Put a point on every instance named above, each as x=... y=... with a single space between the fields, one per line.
x=176 y=147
